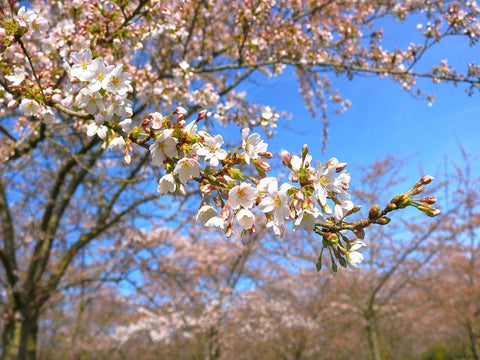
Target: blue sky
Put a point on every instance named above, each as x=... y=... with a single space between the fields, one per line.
x=384 y=119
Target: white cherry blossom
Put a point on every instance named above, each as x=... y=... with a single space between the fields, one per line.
x=157 y=120
x=242 y=195
x=95 y=129
x=205 y=213
x=165 y=146
x=81 y=60
x=119 y=81
x=166 y=184
x=187 y=169
x=29 y=107
x=252 y=145
x=245 y=219
x=90 y=100
x=353 y=256
x=306 y=219
x=117 y=144
x=17 y=77
x=38 y=24
x=342 y=209
x=97 y=74
x=276 y=200
x=211 y=149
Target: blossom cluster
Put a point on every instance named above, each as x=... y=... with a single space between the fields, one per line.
x=235 y=198
x=30 y=20
x=103 y=90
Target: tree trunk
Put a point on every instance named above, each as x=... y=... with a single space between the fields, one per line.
x=213 y=345
x=474 y=346
x=372 y=335
x=19 y=340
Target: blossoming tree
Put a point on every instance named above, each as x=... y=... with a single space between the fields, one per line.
x=81 y=82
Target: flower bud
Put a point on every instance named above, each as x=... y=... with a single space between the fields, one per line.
x=354 y=210
x=429 y=210
x=225 y=214
x=286 y=157
x=182 y=189
x=434 y=212
x=263 y=165
x=426 y=179
x=12 y=104
x=201 y=115
x=304 y=151
x=396 y=199
x=208 y=188
x=299 y=196
x=429 y=200
x=180 y=112
x=383 y=220
x=56 y=98
x=68 y=101
x=229 y=230
x=417 y=190
x=391 y=207
x=342 y=261
x=311 y=178
x=327 y=209
x=374 y=211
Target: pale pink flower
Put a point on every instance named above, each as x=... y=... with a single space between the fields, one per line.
x=253 y=145
x=187 y=169
x=23 y=16
x=38 y=24
x=18 y=76
x=95 y=129
x=97 y=74
x=157 y=120
x=211 y=149
x=242 y=195
x=216 y=221
x=165 y=146
x=326 y=181
x=306 y=219
x=90 y=100
x=342 y=209
x=205 y=213
x=119 y=81
x=245 y=219
x=166 y=184
x=278 y=229
x=276 y=200
x=29 y=107
x=126 y=125
x=354 y=256
x=81 y=61
x=117 y=144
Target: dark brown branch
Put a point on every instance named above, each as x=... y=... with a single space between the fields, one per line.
x=83 y=240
